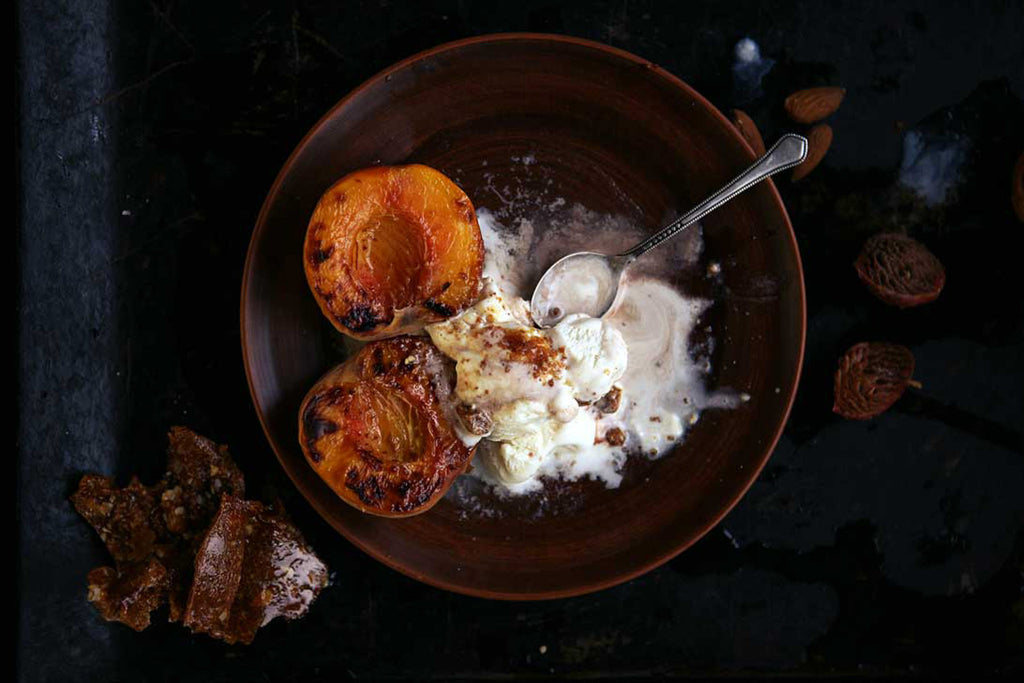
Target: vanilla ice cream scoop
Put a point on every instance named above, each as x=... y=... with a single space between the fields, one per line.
x=529 y=382
x=530 y=399
x=527 y=447
x=595 y=354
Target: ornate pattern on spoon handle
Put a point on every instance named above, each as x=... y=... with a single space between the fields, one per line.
x=789 y=151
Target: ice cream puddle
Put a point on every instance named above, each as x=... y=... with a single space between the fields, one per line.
x=573 y=400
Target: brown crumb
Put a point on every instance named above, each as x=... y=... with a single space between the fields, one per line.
x=615 y=436
x=609 y=403
x=533 y=350
x=476 y=420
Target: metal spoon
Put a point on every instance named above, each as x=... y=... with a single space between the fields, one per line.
x=588 y=282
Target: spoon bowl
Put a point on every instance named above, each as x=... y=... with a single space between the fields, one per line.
x=583 y=282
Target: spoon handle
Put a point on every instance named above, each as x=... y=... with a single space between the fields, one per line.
x=789 y=151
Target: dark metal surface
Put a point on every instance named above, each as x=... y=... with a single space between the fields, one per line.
x=149 y=134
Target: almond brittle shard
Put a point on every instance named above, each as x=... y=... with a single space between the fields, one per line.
x=252 y=567
x=126 y=519
x=130 y=592
x=198 y=472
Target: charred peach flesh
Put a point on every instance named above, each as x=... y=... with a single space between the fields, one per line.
x=378 y=428
x=392 y=248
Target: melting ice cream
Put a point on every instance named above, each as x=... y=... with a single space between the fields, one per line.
x=570 y=401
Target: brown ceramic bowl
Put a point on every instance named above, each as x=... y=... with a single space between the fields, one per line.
x=615 y=133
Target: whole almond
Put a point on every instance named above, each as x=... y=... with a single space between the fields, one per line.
x=819 y=139
x=813 y=104
x=745 y=125
x=1017 y=190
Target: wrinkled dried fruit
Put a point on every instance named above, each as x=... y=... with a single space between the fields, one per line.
x=748 y=129
x=392 y=248
x=871 y=377
x=379 y=428
x=819 y=139
x=900 y=270
x=813 y=104
x=1017 y=188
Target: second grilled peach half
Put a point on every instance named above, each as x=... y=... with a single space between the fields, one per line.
x=379 y=428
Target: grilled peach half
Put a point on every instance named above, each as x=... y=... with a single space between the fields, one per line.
x=378 y=428
x=392 y=248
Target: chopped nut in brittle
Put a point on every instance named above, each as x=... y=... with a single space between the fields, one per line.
x=476 y=421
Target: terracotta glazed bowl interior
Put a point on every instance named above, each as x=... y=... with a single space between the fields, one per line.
x=528 y=123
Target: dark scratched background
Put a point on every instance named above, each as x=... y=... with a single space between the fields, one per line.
x=148 y=134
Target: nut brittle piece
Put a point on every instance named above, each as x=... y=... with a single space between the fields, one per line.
x=251 y=567
x=198 y=472
x=161 y=524
x=125 y=518
x=130 y=592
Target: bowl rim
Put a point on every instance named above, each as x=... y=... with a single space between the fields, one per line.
x=751 y=472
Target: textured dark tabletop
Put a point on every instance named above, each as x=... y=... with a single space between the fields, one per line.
x=149 y=134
